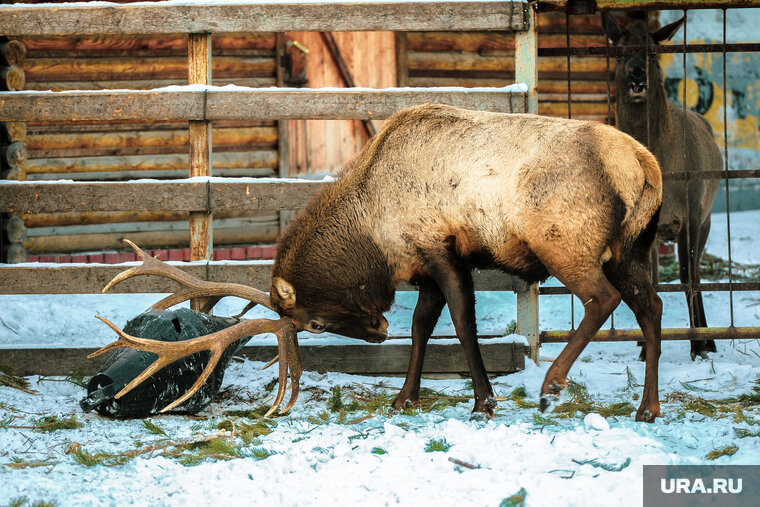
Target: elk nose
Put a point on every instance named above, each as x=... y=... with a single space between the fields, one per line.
x=381 y=324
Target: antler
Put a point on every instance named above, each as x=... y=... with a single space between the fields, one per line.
x=289 y=354
x=191 y=286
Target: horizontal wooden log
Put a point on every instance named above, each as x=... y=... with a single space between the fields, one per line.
x=12 y=52
x=14 y=154
x=110 y=217
x=126 y=174
x=51 y=141
x=137 y=45
x=323 y=17
x=578 y=109
x=451 y=61
x=90 y=279
x=138 y=163
x=89 y=106
x=224 y=233
x=128 y=68
x=149 y=84
x=264 y=104
x=13 y=131
x=180 y=195
x=388 y=358
x=147 y=221
x=115 y=126
x=52 y=197
x=484 y=42
x=544 y=85
x=12 y=78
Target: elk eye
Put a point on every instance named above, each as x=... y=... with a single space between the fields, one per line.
x=316 y=327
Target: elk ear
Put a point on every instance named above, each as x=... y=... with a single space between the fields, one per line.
x=667 y=31
x=611 y=27
x=285 y=291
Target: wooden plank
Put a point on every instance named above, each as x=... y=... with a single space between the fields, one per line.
x=91 y=278
x=51 y=197
x=180 y=195
x=260 y=195
x=356 y=104
x=263 y=104
x=92 y=106
x=485 y=42
x=277 y=17
x=388 y=358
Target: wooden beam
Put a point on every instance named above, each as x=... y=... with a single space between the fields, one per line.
x=388 y=358
x=276 y=17
x=91 y=278
x=177 y=195
x=353 y=103
x=260 y=104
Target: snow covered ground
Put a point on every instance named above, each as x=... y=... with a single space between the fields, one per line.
x=365 y=456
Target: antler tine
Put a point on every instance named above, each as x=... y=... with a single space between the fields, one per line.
x=216 y=343
x=191 y=287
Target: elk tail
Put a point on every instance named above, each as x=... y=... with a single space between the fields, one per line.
x=648 y=204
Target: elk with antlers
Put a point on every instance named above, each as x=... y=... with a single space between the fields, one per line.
x=440 y=191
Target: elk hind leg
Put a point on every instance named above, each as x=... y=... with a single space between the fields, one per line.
x=635 y=286
x=599 y=298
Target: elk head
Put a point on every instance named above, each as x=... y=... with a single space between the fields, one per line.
x=634 y=75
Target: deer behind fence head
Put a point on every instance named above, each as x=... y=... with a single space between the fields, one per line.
x=681 y=140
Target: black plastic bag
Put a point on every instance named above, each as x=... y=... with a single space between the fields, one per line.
x=167 y=384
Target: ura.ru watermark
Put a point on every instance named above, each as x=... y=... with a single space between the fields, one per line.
x=701 y=485
x=698 y=485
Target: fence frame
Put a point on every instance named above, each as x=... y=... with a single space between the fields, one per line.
x=201 y=104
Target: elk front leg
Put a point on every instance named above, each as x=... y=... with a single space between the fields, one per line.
x=454 y=277
x=430 y=302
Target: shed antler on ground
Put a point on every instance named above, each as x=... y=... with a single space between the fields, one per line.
x=287 y=344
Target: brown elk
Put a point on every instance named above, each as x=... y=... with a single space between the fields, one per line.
x=440 y=191
x=681 y=144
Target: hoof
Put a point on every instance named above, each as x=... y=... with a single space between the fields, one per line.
x=401 y=404
x=480 y=416
x=547 y=403
x=643 y=356
x=647 y=416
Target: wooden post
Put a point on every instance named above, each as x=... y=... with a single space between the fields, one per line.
x=283 y=130
x=402 y=63
x=199 y=72
x=526 y=56
x=526 y=71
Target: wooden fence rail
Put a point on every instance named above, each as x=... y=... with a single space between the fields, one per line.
x=211 y=103
x=357 y=15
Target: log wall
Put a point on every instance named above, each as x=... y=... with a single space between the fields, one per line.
x=475 y=59
x=118 y=150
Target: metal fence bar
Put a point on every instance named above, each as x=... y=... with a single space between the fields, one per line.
x=725 y=162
